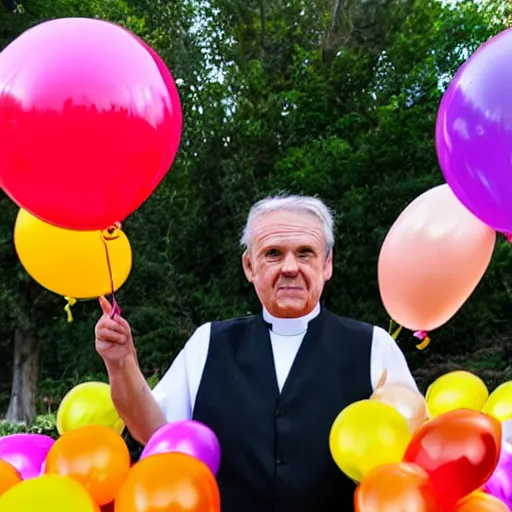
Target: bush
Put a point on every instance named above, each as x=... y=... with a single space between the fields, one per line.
x=45 y=424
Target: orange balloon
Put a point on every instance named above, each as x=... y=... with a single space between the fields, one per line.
x=409 y=402
x=480 y=502
x=432 y=259
x=396 y=487
x=169 y=482
x=9 y=476
x=96 y=456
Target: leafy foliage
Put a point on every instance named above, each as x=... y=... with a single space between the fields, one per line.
x=43 y=425
x=335 y=99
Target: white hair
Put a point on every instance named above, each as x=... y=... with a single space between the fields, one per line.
x=291 y=203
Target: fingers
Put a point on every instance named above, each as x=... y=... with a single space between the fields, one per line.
x=110 y=324
x=116 y=331
x=102 y=346
x=110 y=336
x=105 y=305
x=122 y=323
x=111 y=331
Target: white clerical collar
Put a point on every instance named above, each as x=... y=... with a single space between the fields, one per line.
x=290 y=326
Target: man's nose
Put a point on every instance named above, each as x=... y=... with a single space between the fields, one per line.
x=290 y=265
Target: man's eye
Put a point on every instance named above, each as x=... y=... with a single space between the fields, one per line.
x=305 y=253
x=272 y=253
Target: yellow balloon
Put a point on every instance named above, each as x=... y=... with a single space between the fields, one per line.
x=499 y=403
x=88 y=404
x=72 y=263
x=456 y=390
x=367 y=434
x=47 y=493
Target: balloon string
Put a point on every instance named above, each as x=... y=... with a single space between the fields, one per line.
x=67 y=308
x=116 y=310
x=425 y=339
x=397 y=331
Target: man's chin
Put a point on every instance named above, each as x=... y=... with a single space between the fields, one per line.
x=291 y=308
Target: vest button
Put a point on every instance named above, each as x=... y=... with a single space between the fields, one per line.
x=279 y=460
x=279 y=413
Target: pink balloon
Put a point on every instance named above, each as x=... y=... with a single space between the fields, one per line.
x=90 y=120
x=26 y=452
x=190 y=437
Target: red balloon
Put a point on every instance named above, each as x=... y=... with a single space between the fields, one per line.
x=90 y=122
x=459 y=450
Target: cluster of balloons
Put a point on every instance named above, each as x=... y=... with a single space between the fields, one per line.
x=440 y=246
x=88 y=469
x=461 y=389
x=87 y=404
x=450 y=451
x=91 y=122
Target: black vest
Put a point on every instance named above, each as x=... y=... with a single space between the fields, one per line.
x=275 y=454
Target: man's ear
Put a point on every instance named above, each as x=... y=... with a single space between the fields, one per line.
x=328 y=267
x=247 y=264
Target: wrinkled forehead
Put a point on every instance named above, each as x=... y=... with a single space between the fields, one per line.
x=288 y=228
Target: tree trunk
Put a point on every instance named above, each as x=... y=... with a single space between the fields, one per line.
x=22 y=406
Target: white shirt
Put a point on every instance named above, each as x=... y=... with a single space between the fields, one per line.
x=176 y=392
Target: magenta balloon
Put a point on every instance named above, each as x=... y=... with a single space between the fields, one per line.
x=474 y=133
x=190 y=437
x=26 y=452
x=500 y=483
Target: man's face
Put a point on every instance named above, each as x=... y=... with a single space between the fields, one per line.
x=287 y=262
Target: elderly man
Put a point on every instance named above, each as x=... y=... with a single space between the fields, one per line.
x=269 y=385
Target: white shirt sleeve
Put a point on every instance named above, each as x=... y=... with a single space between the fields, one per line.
x=386 y=355
x=177 y=390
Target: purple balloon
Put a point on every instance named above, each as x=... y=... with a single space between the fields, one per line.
x=190 y=437
x=500 y=483
x=474 y=133
x=26 y=452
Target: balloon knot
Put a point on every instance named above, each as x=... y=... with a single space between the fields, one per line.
x=112 y=232
x=67 y=308
x=508 y=236
x=425 y=340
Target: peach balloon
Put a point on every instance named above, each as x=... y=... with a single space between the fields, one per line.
x=432 y=259
x=409 y=402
